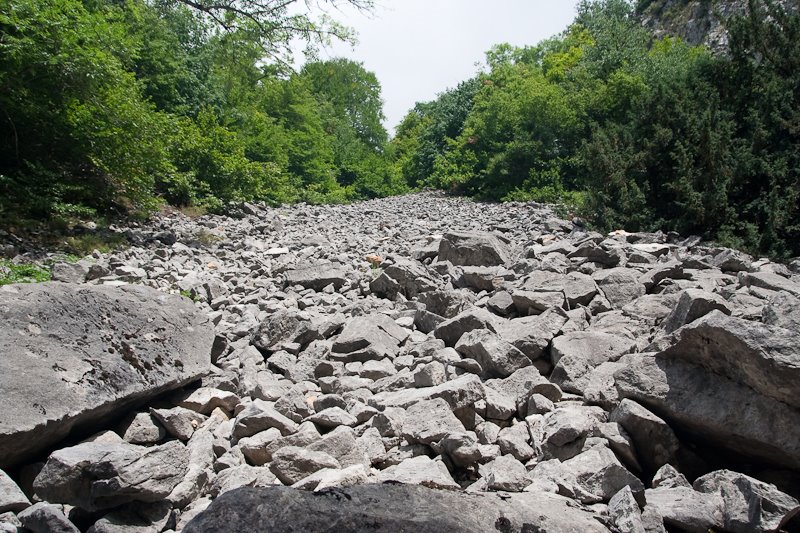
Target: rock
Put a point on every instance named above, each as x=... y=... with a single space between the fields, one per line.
x=769 y=281
x=255 y=448
x=765 y=358
x=97 y=475
x=341 y=444
x=506 y=474
x=783 y=310
x=532 y=335
x=620 y=285
x=405 y=277
x=461 y=392
x=624 y=512
x=372 y=337
x=333 y=417
x=69 y=272
x=576 y=354
x=206 y=399
x=450 y=331
x=732 y=261
x=687 y=509
x=473 y=248
x=598 y=475
x=515 y=441
x=713 y=408
x=429 y=421
x=748 y=504
x=462 y=448
x=668 y=477
x=43 y=517
x=318 y=276
x=496 y=357
x=179 y=421
x=135 y=518
x=291 y=464
x=142 y=428
x=259 y=416
x=385 y=508
x=654 y=439
x=329 y=477
x=136 y=343
x=420 y=470
x=693 y=304
x=11 y=496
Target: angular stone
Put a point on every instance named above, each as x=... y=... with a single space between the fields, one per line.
x=365 y=508
x=684 y=508
x=450 y=331
x=46 y=518
x=341 y=445
x=96 y=475
x=447 y=303
x=506 y=474
x=654 y=439
x=429 y=421
x=291 y=464
x=259 y=416
x=333 y=417
x=78 y=355
x=532 y=335
x=142 y=428
x=11 y=496
x=620 y=285
x=405 y=277
x=178 y=421
x=206 y=399
x=749 y=504
x=420 y=470
x=461 y=392
x=370 y=337
x=624 y=512
x=496 y=357
x=599 y=475
x=473 y=248
x=769 y=281
x=576 y=354
x=693 y=304
x=318 y=276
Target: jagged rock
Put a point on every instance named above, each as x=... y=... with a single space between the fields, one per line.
x=135 y=518
x=506 y=474
x=783 y=310
x=318 y=276
x=341 y=445
x=625 y=512
x=685 y=508
x=576 y=354
x=178 y=421
x=206 y=399
x=748 y=504
x=43 y=517
x=333 y=417
x=135 y=343
x=420 y=470
x=473 y=249
x=429 y=421
x=69 y=272
x=259 y=416
x=368 y=338
x=620 y=285
x=460 y=392
x=291 y=464
x=496 y=357
x=693 y=304
x=405 y=277
x=769 y=281
x=532 y=335
x=142 y=428
x=598 y=475
x=450 y=331
x=447 y=304
x=96 y=475
x=654 y=439
x=386 y=507
x=11 y=496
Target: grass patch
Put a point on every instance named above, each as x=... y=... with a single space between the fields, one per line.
x=22 y=273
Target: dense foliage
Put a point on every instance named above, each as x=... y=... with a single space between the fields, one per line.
x=644 y=134
x=109 y=105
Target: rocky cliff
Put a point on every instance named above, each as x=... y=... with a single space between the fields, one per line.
x=695 y=21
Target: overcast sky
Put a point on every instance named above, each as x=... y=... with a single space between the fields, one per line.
x=419 y=48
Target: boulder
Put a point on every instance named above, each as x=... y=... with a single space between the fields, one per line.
x=386 y=508
x=450 y=331
x=473 y=249
x=654 y=439
x=318 y=276
x=496 y=357
x=429 y=421
x=79 y=355
x=620 y=285
x=291 y=464
x=11 y=496
x=577 y=353
x=693 y=304
x=99 y=475
x=405 y=277
x=44 y=517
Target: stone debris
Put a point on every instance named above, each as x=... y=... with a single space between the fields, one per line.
x=421 y=363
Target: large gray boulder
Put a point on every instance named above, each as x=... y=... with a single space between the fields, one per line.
x=75 y=355
x=473 y=249
x=318 y=276
x=101 y=475
x=390 y=508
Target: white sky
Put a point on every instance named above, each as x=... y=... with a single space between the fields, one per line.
x=419 y=48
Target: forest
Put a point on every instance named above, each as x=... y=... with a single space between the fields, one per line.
x=118 y=107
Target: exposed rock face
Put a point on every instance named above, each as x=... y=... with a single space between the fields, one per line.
x=418 y=363
x=76 y=353
x=389 y=508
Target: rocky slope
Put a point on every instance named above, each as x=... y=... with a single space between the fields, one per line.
x=515 y=370
x=696 y=21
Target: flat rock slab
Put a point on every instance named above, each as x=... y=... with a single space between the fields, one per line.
x=389 y=508
x=76 y=354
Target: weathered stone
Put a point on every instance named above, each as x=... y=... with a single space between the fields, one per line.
x=620 y=285
x=135 y=343
x=599 y=475
x=369 y=338
x=496 y=357
x=624 y=512
x=576 y=354
x=318 y=276
x=135 y=518
x=450 y=331
x=447 y=303
x=693 y=304
x=506 y=474
x=259 y=416
x=11 y=496
x=178 y=421
x=654 y=439
x=429 y=421
x=386 y=508
x=687 y=509
x=291 y=464
x=142 y=428
x=333 y=417
x=43 y=517
x=405 y=277
x=460 y=392
x=97 y=475
x=420 y=470
x=532 y=335
x=206 y=399
x=748 y=504
x=473 y=248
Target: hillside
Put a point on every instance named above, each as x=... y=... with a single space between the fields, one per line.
x=695 y=21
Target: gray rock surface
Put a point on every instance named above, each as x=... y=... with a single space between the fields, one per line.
x=134 y=344
x=386 y=508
